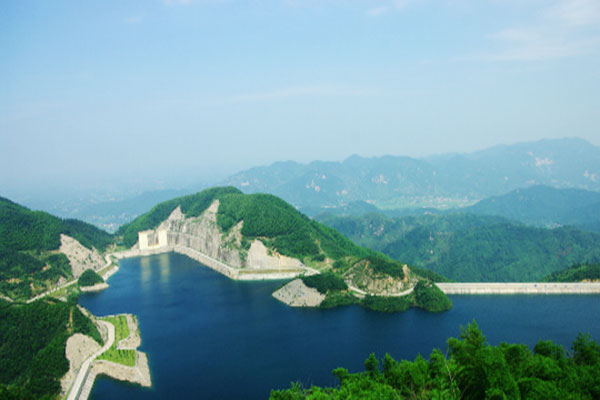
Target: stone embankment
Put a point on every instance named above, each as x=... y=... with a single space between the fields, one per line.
x=520 y=288
x=94 y=288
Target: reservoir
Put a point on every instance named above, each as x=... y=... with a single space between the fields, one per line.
x=208 y=337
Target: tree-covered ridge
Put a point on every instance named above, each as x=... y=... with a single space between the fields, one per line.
x=192 y=206
x=26 y=274
x=23 y=229
x=286 y=231
x=545 y=206
x=268 y=218
x=291 y=233
x=29 y=263
x=89 y=278
x=466 y=247
x=472 y=370
x=32 y=346
x=576 y=273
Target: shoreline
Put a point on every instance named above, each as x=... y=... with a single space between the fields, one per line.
x=242 y=274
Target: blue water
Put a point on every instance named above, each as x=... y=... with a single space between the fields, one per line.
x=208 y=337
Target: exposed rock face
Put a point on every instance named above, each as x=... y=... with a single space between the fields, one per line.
x=202 y=234
x=79 y=348
x=364 y=278
x=80 y=257
x=297 y=294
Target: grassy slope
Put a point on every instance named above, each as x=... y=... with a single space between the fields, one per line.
x=28 y=238
x=124 y=357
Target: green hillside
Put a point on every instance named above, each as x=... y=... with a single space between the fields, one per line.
x=576 y=273
x=32 y=346
x=545 y=206
x=279 y=225
x=29 y=263
x=282 y=229
x=471 y=369
x=467 y=247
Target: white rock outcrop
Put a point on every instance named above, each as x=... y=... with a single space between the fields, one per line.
x=80 y=257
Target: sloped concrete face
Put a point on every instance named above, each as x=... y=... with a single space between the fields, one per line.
x=520 y=288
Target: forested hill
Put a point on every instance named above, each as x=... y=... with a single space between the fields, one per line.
x=576 y=273
x=279 y=225
x=397 y=182
x=471 y=248
x=32 y=346
x=29 y=239
x=23 y=229
x=288 y=232
x=545 y=206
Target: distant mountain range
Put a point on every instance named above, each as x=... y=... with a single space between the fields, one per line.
x=545 y=206
x=394 y=182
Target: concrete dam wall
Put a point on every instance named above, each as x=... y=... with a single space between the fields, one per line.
x=520 y=288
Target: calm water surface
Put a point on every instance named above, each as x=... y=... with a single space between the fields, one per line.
x=208 y=337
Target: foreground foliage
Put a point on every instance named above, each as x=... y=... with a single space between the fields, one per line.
x=473 y=370
x=32 y=346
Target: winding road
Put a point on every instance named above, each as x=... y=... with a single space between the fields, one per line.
x=74 y=281
x=85 y=367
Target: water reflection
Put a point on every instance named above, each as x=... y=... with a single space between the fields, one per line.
x=164 y=268
x=145 y=272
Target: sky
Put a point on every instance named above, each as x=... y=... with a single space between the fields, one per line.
x=173 y=91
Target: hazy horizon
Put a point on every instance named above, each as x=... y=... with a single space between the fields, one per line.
x=171 y=93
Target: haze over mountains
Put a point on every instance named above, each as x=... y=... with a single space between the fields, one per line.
x=359 y=185
x=437 y=181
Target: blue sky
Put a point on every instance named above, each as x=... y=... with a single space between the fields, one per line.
x=192 y=89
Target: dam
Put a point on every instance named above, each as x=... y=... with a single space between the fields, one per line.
x=520 y=287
